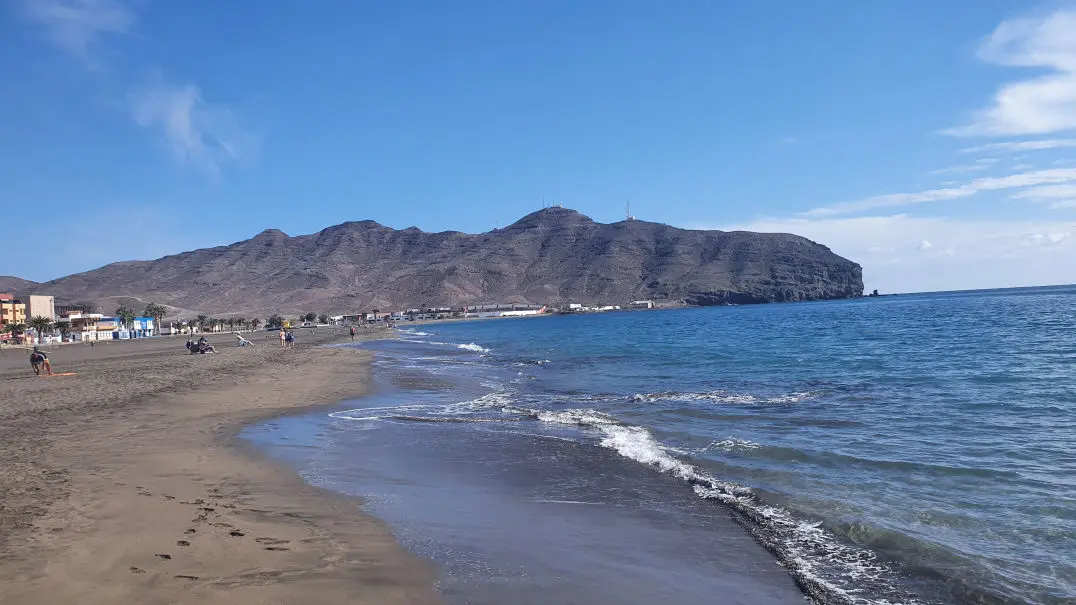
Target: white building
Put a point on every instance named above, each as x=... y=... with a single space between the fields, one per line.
x=642 y=304
x=41 y=305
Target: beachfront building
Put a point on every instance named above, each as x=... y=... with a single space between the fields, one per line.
x=512 y=310
x=83 y=325
x=39 y=304
x=142 y=327
x=642 y=304
x=12 y=311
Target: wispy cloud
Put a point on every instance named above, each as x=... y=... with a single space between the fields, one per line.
x=77 y=26
x=978 y=166
x=1036 y=106
x=1057 y=197
x=1018 y=146
x=198 y=133
x=894 y=200
x=202 y=134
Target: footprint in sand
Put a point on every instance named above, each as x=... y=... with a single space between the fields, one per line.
x=235 y=533
x=270 y=541
x=191 y=531
x=182 y=577
x=133 y=569
x=165 y=557
x=182 y=543
x=167 y=497
x=276 y=548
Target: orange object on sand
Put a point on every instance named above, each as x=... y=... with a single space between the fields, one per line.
x=62 y=374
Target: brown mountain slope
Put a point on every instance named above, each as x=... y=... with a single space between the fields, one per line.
x=10 y=283
x=552 y=256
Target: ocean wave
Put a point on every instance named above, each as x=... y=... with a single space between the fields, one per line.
x=722 y=397
x=473 y=347
x=582 y=417
x=826 y=569
x=731 y=444
x=413 y=332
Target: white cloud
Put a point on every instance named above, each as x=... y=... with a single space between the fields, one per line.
x=1058 y=197
x=978 y=166
x=893 y=200
x=198 y=133
x=1039 y=105
x=962 y=254
x=1017 y=146
x=77 y=26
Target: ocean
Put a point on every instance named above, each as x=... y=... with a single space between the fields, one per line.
x=901 y=449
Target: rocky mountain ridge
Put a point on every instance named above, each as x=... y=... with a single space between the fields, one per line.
x=551 y=256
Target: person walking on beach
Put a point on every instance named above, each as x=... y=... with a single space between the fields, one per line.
x=283 y=337
x=353 y=333
x=289 y=339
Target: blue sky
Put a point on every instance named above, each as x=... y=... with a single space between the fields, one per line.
x=933 y=142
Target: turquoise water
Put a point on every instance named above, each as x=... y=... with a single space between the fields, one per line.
x=900 y=449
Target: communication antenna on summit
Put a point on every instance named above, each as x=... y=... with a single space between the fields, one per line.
x=627 y=211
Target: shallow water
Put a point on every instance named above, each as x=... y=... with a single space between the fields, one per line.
x=904 y=449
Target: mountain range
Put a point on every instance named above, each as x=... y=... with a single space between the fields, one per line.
x=552 y=256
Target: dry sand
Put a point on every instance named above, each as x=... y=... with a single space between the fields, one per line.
x=125 y=483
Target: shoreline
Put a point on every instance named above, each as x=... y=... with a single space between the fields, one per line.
x=128 y=482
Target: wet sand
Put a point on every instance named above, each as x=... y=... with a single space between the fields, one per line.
x=126 y=484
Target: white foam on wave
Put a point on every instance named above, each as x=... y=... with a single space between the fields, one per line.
x=636 y=443
x=370 y=413
x=413 y=332
x=732 y=444
x=581 y=417
x=473 y=347
x=722 y=397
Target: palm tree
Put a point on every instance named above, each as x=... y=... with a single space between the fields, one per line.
x=126 y=315
x=40 y=324
x=241 y=322
x=200 y=321
x=254 y=323
x=16 y=329
x=323 y=319
x=156 y=312
x=64 y=327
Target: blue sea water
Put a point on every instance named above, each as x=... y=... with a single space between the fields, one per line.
x=908 y=449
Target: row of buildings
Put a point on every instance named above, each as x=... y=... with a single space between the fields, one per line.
x=481 y=311
x=70 y=323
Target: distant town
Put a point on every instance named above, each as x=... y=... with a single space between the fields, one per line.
x=39 y=320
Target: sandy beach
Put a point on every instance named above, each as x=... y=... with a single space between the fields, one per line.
x=125 y=483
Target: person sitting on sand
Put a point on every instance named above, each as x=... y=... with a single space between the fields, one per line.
x=39 y=360
x=243 y=342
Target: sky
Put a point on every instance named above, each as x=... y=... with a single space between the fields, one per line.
x=932 y=142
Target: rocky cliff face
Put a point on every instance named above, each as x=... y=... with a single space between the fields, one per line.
x=552 y=256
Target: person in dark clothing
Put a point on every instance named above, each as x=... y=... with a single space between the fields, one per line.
x=40 y=361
